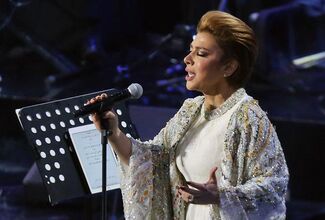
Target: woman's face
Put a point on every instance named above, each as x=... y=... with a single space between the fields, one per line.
x=204 y=69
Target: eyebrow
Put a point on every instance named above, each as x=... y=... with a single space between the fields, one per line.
x=191 y=46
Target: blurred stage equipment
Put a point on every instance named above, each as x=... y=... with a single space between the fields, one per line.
x=310 y=60
x=13 y=5
x=185 y=32
x=57 y=59
x=48 y=38
x=286 y=46
x=169 y=53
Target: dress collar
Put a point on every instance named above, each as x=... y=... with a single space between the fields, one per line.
x=224 y=107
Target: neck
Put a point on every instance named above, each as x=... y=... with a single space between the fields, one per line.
x=217 y=98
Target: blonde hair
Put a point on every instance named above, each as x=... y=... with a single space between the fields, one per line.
x=236 y=39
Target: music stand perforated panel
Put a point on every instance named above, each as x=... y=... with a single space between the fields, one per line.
x=46 y=127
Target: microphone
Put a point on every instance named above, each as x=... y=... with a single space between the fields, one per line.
x=134 y=91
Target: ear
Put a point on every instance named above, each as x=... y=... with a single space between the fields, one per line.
x=230 y=67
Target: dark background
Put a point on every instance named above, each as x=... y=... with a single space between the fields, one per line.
x=54 y=49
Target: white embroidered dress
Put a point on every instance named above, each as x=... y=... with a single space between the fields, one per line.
x=252 y=178
x=196 y=154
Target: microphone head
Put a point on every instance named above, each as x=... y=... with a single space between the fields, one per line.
x=135 y=90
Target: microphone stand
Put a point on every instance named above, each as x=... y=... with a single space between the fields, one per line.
x=104 y=135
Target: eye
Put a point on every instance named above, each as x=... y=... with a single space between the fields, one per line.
x=201 y=53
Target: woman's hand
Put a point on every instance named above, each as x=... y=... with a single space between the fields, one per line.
x=201 y=193
x=107 y=120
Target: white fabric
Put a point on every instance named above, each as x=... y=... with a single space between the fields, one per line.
x=196 y=154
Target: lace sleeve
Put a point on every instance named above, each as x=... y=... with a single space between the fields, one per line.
x=145 y=180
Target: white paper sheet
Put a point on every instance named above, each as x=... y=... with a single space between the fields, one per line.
x=87 y=144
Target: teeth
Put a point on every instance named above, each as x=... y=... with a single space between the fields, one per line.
x=191 y=74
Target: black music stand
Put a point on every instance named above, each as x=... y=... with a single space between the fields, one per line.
x=46 y=127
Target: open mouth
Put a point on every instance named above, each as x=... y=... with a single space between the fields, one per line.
x=189 y=76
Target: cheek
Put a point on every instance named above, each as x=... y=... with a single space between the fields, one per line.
x=204 y=67
x=209 y=70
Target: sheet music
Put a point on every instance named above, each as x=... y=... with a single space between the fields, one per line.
x=87 y=144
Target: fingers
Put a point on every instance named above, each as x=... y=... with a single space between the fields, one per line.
x=98 y=98
x=207 y=196
x=188 y=190
x=186 y=196
x=201 y=193
x=95 y=116
x=190 y=198
x=199 y=186
x=212 y=176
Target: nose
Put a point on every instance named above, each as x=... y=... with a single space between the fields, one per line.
x=188 y=59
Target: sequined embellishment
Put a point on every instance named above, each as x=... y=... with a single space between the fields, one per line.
x=228 y=104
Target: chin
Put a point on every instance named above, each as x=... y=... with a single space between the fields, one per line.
x=191 y=87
